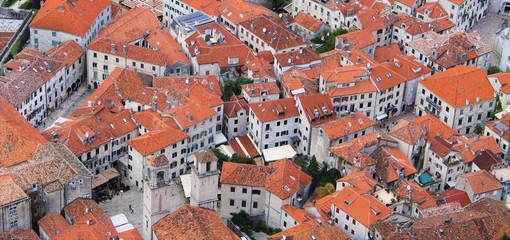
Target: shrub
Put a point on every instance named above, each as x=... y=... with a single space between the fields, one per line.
x=30 y=5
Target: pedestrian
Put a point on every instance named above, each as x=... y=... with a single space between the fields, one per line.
x=130 y=207
x=132 y=210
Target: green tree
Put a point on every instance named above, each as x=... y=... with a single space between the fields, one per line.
x=505 y=237
x=313 y=169
x=493 y=69
x=329 y=176
x=221 y=157
x=242 y=219
x=323 y=190
x=478 y=129
x=234 y=86
x=277 y=3
x=327 y=39
x=236 y=158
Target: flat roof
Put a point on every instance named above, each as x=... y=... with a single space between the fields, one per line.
x=277 y=153
x=188 y=22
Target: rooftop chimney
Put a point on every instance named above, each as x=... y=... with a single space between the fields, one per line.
x=124 y=49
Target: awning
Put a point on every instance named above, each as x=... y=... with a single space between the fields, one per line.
x=451 y=184
x=104 y=177
x=98 y=180
x=219 y=139
x=277 y=153
x=381 y=117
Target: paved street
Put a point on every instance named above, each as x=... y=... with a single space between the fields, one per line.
x=391 y=122
x=487 y=27
x=68 y=106
x=120 y=204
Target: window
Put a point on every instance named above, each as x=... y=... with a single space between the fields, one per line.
x=53 y=34
x=231 y=202
x=255 y=204
x=243 y=203
x=245 y=190
x=232 y=189
x=95 y=55
x=54 y=43
x=255 y=192
x=105 y=57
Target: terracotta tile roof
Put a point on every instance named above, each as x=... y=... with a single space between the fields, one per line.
x=81 y=133
x=441 y=24
x=408 y=132
x=411 y=25
x=362 y=181
x=17 y=234
x=504 y=80
x=286 y=178
x=346 y=125
x=298 y=214
x=456 y=195
x=199 y=89
x=245 y=147
x=276 y=109
x=260 y=65
x=205 y=224
x=230 y=109
x=244 y=174
x=498 y=126
x=486 y=159
x=206 y=156
x=458 y=90
x=481 y=182
x=469 y=148
x=189 y=115
x=256 y=89
x=150 y=120
x=309 y=230
x=225 y=47
x=154 y=141
x=432 y=10
x=18 y=139
x=386 y=52
x=51 y=166
x=276 y=36
x=452 y=49
x=88 y=220
x=118 y=10
x=74 y=17
x=20 y=84
x=132 y=234
x=363 y=86
x=233 y=10
x=435 y=127
x=483 y=219
x=358 y=39
x=351 y=151
x=420 y=196
x=390 y=162
x=127 y=29
x=157 y=160
x=384 y=77
x=317 y=108
x=11 y=192
x=407 y=67
x=323 y=205
x=308 y=22
x=372 y=20
x=68 y=52
x=296 y=79
x=303 y=56
x=364 y=208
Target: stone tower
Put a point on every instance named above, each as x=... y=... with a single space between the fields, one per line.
x=204 y=180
